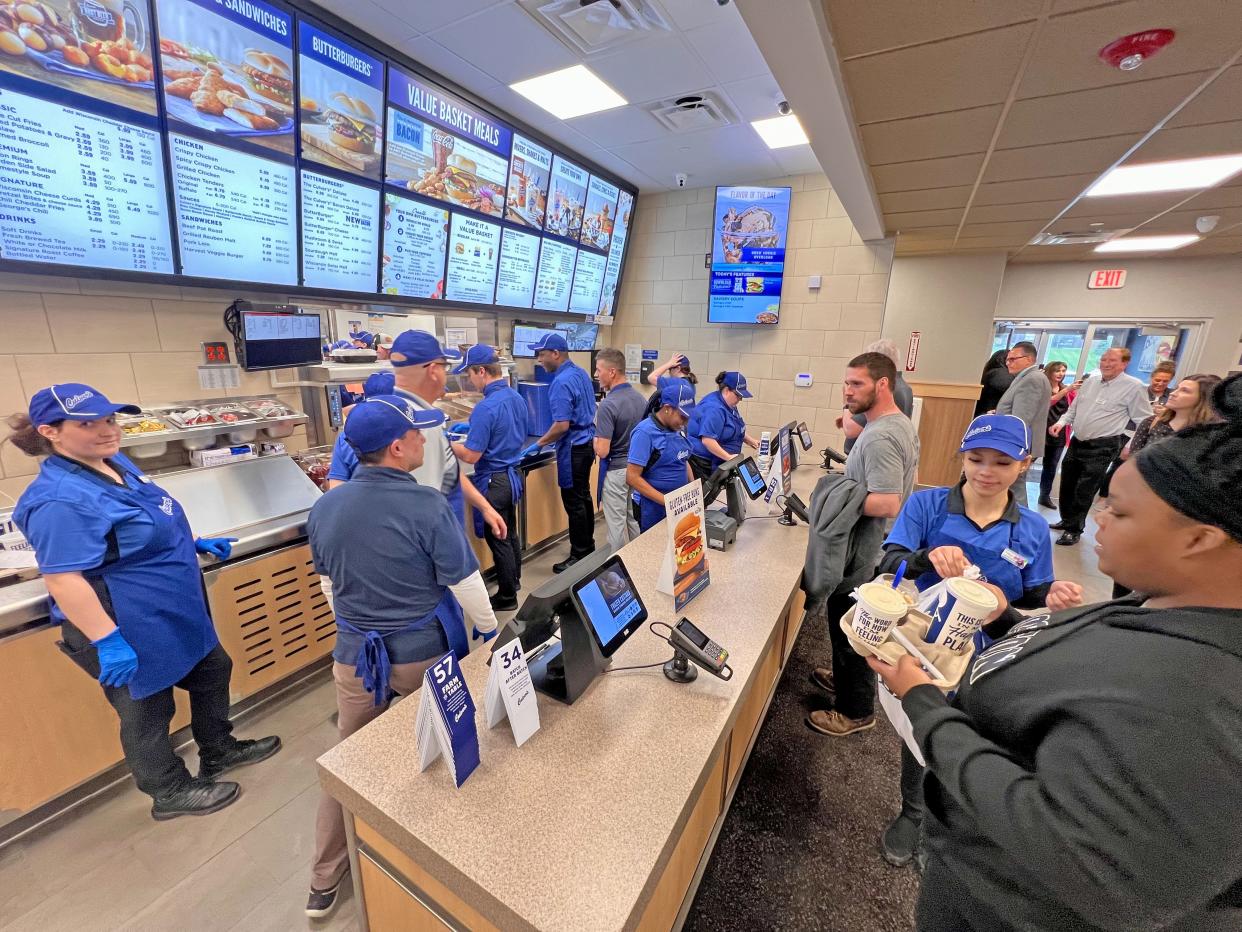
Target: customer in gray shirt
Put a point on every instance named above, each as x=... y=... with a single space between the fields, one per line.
x=615 y=417
x=1028 y=397
x=903 y=394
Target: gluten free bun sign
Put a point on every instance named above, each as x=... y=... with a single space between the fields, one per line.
x=685 y=573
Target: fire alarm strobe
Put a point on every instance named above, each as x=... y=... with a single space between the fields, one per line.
x=1128 y=52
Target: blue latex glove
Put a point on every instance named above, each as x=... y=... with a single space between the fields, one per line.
x=459 y=427
x=485 y=635
x=117 y=661
x=534 y=449
x=219 y=547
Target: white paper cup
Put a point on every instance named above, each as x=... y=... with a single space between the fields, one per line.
x=880 y=608
x=959 y=614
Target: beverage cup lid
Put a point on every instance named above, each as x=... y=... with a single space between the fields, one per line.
x=973 y=592
x=883 y=600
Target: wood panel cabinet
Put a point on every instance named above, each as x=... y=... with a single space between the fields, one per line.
x=947 y=411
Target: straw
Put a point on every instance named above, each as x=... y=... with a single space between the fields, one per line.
x=901 y=574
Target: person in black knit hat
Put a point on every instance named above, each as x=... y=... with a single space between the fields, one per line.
x=1088 y=772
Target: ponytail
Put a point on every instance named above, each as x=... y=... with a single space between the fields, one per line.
x=26 y=437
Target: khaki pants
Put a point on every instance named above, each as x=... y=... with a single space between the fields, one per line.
x=618 y=516
x=355 y=707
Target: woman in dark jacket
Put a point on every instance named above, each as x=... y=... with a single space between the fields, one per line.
x=1088 y=772
x=995 y=379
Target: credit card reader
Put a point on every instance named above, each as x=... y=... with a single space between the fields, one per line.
x=691 y=644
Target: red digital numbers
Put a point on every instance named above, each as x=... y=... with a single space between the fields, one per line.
x=216 y=353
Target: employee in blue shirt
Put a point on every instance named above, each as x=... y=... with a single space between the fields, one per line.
x=497 y=433
x=659 y=460
x=404 y=583
x=121 y=565
x=716 y=429
x=344 y=459
x=572 y=399
x=676 y=369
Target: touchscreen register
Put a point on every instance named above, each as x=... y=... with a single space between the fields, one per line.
x=751 y=477
x=609 y=603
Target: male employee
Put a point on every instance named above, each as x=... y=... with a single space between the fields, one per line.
x=1028 y=397
x=1099 y=415
x=659 y=457
x=572 y=399
x=498 y=428
x=615 y=417
x=344 y=460
x=401 y=580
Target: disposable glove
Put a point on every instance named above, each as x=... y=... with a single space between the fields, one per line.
x=219 y=547
x=535 y=449
x=117 y=661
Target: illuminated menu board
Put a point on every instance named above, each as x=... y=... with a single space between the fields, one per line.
x=566 y=198
x=474 y=246
x=340 y=99
x=529 y=170
x=555 y=277
x=519 y=263
x=748 y=254
x=601 y=214
x=340 y=233
x=616 y=253
x=588 y=280
x=415 y=240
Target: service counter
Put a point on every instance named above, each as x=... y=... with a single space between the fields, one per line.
x=605 y=818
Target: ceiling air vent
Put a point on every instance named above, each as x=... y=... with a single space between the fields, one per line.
x=1072 y=238
x=591 y=26
x=692 y=113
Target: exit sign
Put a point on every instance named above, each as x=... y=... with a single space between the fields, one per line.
x=1107 y=278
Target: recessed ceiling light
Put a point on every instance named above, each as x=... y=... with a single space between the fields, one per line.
x=1178 y=175
x=1147 y=243
x=781 y=132
x=570 y=92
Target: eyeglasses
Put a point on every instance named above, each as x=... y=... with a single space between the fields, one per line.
x=443 y=365
x=1019 y=356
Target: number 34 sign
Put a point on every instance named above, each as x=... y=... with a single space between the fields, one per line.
x=510 y=692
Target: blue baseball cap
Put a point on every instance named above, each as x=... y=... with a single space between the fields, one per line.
x=381 y=419
x=363 y=336
x=679 y=395
x=737 y=382
x=551 y=341
x=684 y=362
x=478 y=355
x=380 y=383
x=73 y=401
x=415 y=347
x=342 y=344
x=1003 y=433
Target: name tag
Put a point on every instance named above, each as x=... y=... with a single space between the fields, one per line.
x=1011 y=556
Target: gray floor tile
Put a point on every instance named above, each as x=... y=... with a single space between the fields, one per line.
x=212 y=898
x=282 y=910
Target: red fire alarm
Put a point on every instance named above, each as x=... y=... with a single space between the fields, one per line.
x=1128 y=52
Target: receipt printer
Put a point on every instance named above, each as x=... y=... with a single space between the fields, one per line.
x=721 y=530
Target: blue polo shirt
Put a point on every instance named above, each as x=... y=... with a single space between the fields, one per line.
x=391 y=547
x=572 y=398
x=499 y=426
x=650 y=437
x=713 y=418
x=344 y=459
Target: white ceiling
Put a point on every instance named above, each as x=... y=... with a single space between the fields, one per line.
x=485 y=45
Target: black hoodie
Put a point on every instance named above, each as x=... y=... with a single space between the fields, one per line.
x=1088 y=774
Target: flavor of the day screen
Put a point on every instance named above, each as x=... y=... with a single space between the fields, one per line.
x=748 y=254
x=610 y=604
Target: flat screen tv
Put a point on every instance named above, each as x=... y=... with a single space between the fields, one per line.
x=749 y=228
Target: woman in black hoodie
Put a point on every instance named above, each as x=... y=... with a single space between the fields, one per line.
x=1088 y=773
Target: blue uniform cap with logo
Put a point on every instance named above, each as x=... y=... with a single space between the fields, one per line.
x=684 y=362
x=380 y=420
x=73 y=401
x=416 y=347
x=380 y=383
x=737 y=382
x=551 y=341
x=363 y=336
x=478 y=355
x=679 y=396
x=1003 y=433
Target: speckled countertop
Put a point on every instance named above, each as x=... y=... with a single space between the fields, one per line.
x=567 y=831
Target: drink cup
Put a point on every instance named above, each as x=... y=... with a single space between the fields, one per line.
x=879 y=609
x=959 y=613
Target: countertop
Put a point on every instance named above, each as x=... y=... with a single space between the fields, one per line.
x=566 y=832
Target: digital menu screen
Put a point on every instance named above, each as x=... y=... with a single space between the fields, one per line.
x=588 y=280
x=340 y=233
x=529 y=170
x=748 y=254
x=519 y=263
x=555 y=277
x=415 y=241
x=566 y=199
x=340 y=98
x=616 y=254
x=473 y=249
x=601 y=214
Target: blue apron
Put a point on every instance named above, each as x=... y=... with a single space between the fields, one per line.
x=481 y=481
x=457 y=501
x=564 y=460
x=373 y=665
x=599 y=482
x=156 y=593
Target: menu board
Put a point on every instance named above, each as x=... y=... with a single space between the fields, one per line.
x=473 y=248
x=340 y=97
x=616 y=253
x=340 y=233
x=519 y=263
x=555 y=277
x=588 y=280
x=601 y=214
x=566 y=198
x=227 y=67
x=236 y=213
x=748 y=254
x=527 y=198
x=415 y=240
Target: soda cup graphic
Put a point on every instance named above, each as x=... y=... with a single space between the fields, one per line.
x=959 y=613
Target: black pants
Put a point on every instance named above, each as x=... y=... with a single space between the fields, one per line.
x=506 y=553
x=1081 y=475
x=579 y=503
x=701 y=467
x=911 y=785
x=1048 y=471
x=853 y=679
x=149 y=753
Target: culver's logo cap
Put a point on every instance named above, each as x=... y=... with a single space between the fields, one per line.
x=73 y=401
x=1001 y=432
x=381 y=419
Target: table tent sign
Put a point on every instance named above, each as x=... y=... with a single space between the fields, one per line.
x=510 y=693
x=445 y=723
x=684 y=573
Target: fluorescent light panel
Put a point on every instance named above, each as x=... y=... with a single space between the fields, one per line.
x=1148 y=243
x=570 y=92
x=781 y=132
x=1178 y=175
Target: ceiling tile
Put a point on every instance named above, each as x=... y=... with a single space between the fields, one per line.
x=1183 y=221
x=373 y=18
x=797 y=160
x=1062 y=158
x=1229 y=196
x=1053 y=254
x=995 y=213
x=958 y=132
x=754 y=98
x=1101 y=208
x=618 y=127
x=690 y=14
x=931 y=78
x=728 y=49
x=1217 y=103
x=1019 y=231
x=429 y=15
x=1192 y=141
x=1037 y=189
x=427 y=51
x=859 y=28
x=722 y=156
x=930 y=199
x=506 y=42
x=911 y=221
x=653 y=69
x=928 y=173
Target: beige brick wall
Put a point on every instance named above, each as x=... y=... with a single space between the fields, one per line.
x=663 y=303
x=133 y=342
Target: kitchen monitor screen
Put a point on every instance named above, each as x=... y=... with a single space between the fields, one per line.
x=277 y=341
x=609 y=603
x=749 y=226
x=580 y=337
x=751 y=477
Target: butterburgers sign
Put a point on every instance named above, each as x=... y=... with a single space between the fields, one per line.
x=685 y=572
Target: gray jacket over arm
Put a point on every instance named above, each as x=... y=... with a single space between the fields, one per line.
x=1029 y=396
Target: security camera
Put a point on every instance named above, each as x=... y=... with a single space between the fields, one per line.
x=682 y=179
x=722 y=2
x=1206 y=224
x=783 y=108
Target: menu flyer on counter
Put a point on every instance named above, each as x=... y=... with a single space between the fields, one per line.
x=528 y=183
x=473 y=248
x=236 y=213
x=601 y=214
x=684 y=573
x=227 y=68
x=748 y=254
x=445 y=722
x=415 y=241
x=588 y=279
x=566 y=198
x=80 y=189
x=510 y=693
x=340 y=233
x=340 y=100
x=519 y=264
x=556 y=276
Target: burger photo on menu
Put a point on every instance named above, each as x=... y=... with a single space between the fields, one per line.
x=227 y=73
x=689 y=555
x=340 y=98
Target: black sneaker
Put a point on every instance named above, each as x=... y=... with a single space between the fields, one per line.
x=1046 y=502
x=1069 y=538
x=900 y=841
x=198 y=797
x=242 y=754
x=564 y=564
x=504 y=603
x=320 y=903
x=1059 y=526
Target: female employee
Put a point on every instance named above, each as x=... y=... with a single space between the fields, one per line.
x=344 y=459
x=1087 y=772
x=119 y=561
x=659 y=454
x=677 y=368
x=716 y=430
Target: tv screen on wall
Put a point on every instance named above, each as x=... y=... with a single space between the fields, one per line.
x=749 y=228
